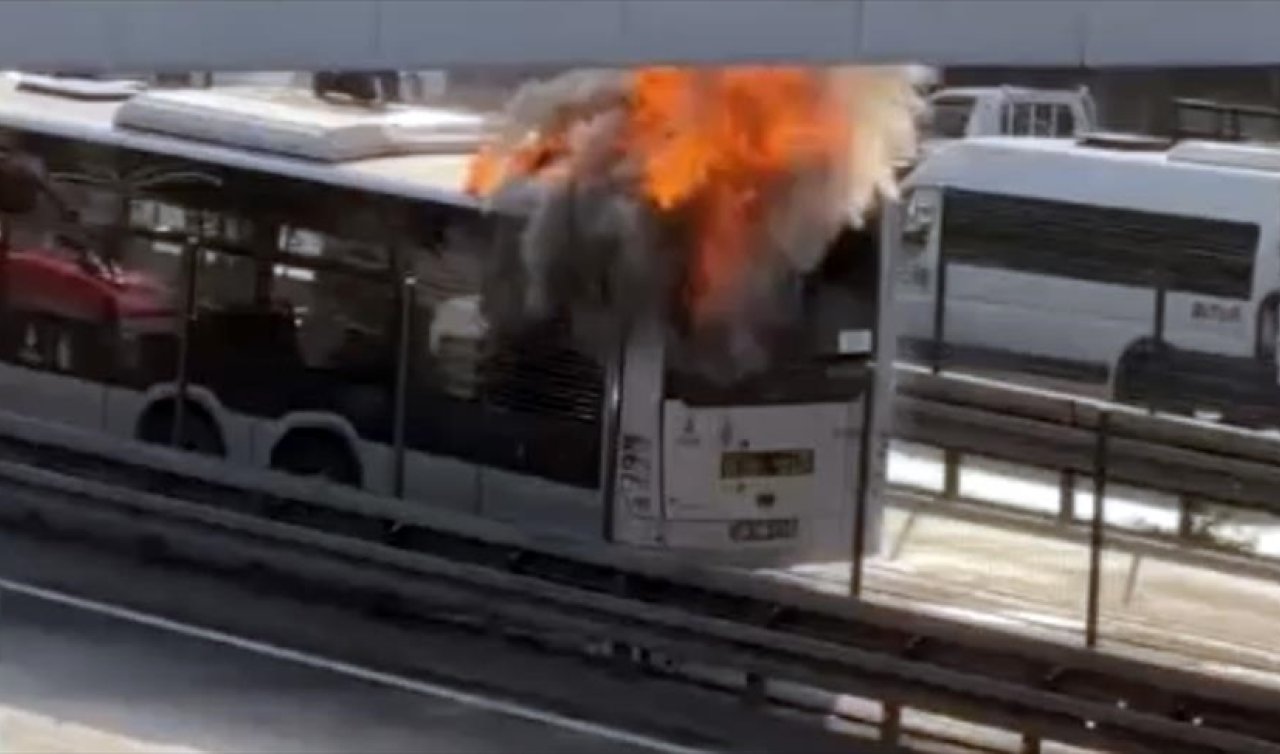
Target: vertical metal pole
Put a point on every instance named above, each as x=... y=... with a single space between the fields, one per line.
x=1159 y=317
x=404 y=352
x=1096 y=531
x=878 y=391
x=1158 y=327
x=190 y=250
x=940 y=308
x=866 y=450
x=610 y=426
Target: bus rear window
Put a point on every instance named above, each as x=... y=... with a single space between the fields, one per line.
x=822 y=353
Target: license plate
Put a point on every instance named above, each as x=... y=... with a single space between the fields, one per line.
x=763 y=530
x=739 y=464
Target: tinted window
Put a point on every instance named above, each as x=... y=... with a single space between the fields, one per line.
x=1020 y=119
x=949 y=117
x=275 y=335
x=1102 y=244
x=529 y=402
x=1065 y=121
x=82 y=295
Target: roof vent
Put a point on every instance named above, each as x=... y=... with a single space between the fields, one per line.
x=1124 y=142
x=366 y=88
x=78 y=87
x=293 y=123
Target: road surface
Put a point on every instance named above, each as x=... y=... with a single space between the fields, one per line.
x=75 y=680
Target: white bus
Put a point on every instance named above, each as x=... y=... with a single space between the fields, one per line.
x=270 y=277
x=1148 y=269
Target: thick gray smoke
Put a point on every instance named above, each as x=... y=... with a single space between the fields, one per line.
x=588 y=243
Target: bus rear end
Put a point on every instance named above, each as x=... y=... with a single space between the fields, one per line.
x=765 y=469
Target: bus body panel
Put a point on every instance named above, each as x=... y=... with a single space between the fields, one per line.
x=761 y=477
x=1075 y=323
x=62 y=398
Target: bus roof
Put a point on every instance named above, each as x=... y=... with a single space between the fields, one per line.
x=437 y=177
x=1245 y=159
x=1195 y=178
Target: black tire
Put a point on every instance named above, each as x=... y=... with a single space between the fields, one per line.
x=199 y=433
x=1141 y=377
x=317 y=453
x=1128 y=384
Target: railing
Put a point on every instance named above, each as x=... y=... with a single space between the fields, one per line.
x=773 y=640
x=1197 y=462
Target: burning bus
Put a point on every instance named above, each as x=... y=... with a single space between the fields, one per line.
x=641 y=305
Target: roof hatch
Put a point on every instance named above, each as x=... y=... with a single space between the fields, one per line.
x=295 y=123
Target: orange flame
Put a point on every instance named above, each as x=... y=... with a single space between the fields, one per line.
x=489 y=168
x=710 y=144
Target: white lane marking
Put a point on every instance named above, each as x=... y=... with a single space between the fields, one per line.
x=513 y=709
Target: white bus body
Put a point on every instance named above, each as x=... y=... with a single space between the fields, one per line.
x=307 y=310
x=1097 y=259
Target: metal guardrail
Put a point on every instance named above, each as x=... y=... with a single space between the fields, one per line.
x=1108 y=443
x=772 y=635
x=1195 y=460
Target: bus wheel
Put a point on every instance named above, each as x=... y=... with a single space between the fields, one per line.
x=1134 y=383
x=199 y=433
x=309 y=452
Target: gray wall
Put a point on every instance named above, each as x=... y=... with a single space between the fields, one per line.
x=287 y=35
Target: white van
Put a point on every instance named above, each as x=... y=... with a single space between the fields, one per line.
x=971 y=112
x=1150 y=269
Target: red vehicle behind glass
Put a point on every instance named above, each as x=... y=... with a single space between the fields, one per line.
x=71 y=312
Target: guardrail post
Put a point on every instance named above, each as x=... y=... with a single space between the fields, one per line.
x=1131 y=583
x=755 y=690
x=900 y=542
x=951 y=473
x=1186 y=517
x=1067 y=496
x=1030 y=744
x=891 y=723
x=1096 y=530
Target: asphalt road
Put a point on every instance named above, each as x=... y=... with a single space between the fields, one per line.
x=73 y=680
